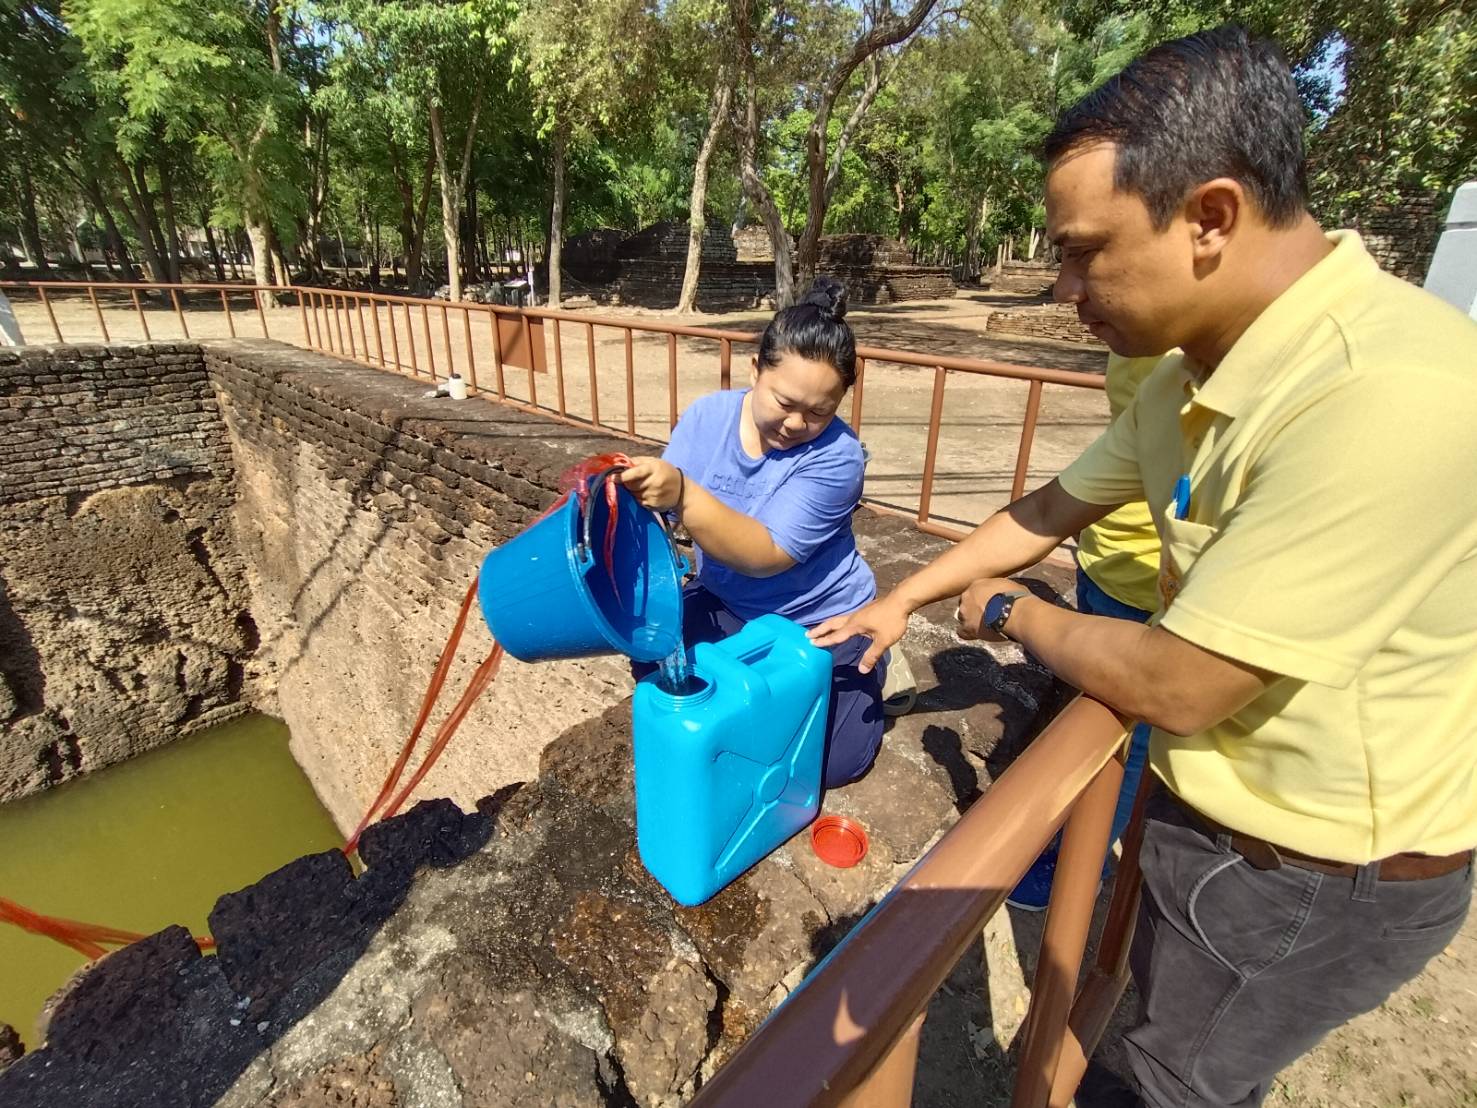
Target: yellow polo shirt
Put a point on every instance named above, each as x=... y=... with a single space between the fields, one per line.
x=1332 y=539
x=1120 y=552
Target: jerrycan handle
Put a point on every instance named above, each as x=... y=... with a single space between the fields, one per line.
x=586 y=549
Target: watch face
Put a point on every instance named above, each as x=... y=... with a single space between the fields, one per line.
x=994 y=609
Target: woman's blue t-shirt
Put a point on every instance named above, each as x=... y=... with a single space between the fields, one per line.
x=804 y=496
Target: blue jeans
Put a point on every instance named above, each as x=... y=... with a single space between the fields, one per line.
x=1093 y=601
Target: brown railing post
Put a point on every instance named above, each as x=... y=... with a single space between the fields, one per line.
x=226 y=307
x=930 y=455
x=671 y=382
x=446 y=336
x=379 y=338
x=142 y=319
x=1068 y=919
x=261 y=312
x=394 y=338
x=302 y=310
x=471 y=354
x=426 y=334
x=363 y=334
x=1103 y=988
x=98 y=309
x=497 y=353
x=318 y=324
x=353 y=345
x=594 y=384
x=415 y=368
x=1028 y=433
x=338 y=322
x=630 y=384
x=179 y=312
x=856 y=394
x=890 y=1085
x=725 y=364
x=532 y=361
x=50 y=314
x=559 y=366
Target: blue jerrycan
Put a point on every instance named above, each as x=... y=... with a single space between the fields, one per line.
x=732 y=769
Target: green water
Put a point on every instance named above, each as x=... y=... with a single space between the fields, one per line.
x=147 y=843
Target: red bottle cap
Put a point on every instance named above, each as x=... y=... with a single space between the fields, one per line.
x=838 y=841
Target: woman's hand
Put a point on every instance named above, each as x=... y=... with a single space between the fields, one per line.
x=883 y=621
x=658 y=485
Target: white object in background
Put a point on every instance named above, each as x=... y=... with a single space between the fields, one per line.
x=1453 y=272
x=456 y=387
x=10 y=328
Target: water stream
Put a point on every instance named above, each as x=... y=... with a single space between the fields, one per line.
x=150 y=842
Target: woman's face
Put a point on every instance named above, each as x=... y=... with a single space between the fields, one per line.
x=794 y=400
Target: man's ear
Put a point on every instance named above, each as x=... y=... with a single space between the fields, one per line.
x=753 y=370
x=1214 y=212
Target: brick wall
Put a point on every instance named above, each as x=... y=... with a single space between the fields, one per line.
x=75 y=419
x=1041 y=321
x=124 y=617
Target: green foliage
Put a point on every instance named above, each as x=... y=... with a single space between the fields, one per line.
x=311 y=117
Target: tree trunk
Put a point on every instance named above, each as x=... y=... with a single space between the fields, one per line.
x=215 y=255
x=697 y=206
x=133 y=208
x=172 y=241
x=416 y=249
x=113 y=237
x=453 y=184
x=150 y=215
x=556 y=220
x=261 y=262
x=754 y=186
x=31 y=225
x=977 y=216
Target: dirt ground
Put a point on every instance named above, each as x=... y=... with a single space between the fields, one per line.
x=1418 y=1049
x=982 y=415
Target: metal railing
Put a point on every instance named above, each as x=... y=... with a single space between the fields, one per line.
x=849 y=1034
x=506 y=338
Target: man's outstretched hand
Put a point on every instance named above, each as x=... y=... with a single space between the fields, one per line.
x=883 y=621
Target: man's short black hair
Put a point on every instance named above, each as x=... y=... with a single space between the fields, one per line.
x=1220 y=103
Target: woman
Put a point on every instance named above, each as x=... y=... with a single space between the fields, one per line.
x=766 y=480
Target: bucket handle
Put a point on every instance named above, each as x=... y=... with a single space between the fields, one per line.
x=586 y=549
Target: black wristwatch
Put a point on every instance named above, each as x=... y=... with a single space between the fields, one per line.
x=997 y=609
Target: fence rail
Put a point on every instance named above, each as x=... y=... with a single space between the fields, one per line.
x=849 y=1034
x=519 y=339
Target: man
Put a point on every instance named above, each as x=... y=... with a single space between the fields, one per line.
x=1311 y=674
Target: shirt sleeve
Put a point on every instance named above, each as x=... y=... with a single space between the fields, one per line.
x=681 y=449
x=1107 y=472
x=1351 y=516
x=816 y=501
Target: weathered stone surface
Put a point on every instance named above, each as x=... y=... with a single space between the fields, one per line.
x=151 y=1025
x=124 y=612
x=11 y=1047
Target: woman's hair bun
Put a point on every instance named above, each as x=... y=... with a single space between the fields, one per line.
x=829 y=295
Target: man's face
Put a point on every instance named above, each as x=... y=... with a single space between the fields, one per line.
x=1134 y=287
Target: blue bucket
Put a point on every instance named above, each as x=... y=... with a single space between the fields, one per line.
x=547 y=594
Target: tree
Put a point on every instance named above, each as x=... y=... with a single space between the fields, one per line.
x=208 y=73
x=589 y=62
x=1391 y=87
x=835 y=42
